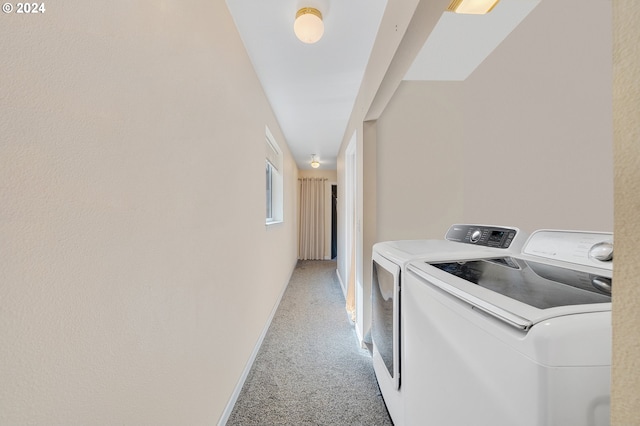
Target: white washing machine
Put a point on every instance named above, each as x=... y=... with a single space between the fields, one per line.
x=389 y=261
x=516 y=340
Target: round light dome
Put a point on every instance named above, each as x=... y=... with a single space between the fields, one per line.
x=308 y=25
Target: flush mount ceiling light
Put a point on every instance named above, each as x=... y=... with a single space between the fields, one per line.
x=308 y=25
x=314 y=163
x=472 y=7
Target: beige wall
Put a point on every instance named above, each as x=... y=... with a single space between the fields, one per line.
x=137 y=271
x=393 y=28
x=419 y=154
x=526 y=140
x=538 y=123
x=626 y=316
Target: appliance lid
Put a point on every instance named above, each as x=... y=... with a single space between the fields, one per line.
x=518 y=292
x=539 y=285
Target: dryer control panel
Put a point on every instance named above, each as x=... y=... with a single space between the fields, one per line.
x=482 y=235
x=584 y=248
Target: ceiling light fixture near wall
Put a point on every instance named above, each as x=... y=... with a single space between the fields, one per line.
x=314 y=162
x=472 y=7
x=308 y=25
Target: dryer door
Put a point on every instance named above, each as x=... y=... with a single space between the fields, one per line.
x=385 y=325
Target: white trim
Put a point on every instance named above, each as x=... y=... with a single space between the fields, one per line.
x=360 y=338
x=247 y=368
x=273 y=222
x=274 y=159
x=344 y=289
x=274 y=152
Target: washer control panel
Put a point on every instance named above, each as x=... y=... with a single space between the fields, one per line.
x=482 y=235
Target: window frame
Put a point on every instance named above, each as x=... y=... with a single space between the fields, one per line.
x=274 y=187
x=269 y=182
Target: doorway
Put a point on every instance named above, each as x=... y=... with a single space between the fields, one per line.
x=334 y=221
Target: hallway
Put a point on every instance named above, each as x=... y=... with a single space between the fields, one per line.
x=309 y=370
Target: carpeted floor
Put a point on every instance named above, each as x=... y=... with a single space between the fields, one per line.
x=310 y=369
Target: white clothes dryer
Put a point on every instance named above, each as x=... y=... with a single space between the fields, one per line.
x=515 y=340
x=389 y=262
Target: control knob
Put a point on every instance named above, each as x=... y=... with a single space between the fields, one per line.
x=602 y=251
x=475 y=236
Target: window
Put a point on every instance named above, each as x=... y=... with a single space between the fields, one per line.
x=269 y=191
x=274 y=197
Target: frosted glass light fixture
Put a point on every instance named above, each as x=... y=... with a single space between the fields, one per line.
x=308 y=25
x=314 y=162
x=472 y=7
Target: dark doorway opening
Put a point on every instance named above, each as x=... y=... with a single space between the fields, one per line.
x=334 y=221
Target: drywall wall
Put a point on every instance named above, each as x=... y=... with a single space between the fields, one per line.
x=525 y=141
x=538 y=123
x=403 y=28
x=137 y=271
x=625 y=394
x=419 y=151
x=393 y=26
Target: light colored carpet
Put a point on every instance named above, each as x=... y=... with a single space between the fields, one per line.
x=310 y=369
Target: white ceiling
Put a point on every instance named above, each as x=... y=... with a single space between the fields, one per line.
x=312 y=87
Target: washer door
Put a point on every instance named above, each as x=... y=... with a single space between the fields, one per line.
x=385 y=326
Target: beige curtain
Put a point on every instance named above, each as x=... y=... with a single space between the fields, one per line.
x=311 y=192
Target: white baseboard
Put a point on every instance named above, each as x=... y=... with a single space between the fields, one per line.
x=342 y=286
x=236 y=392
x=360 y=337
